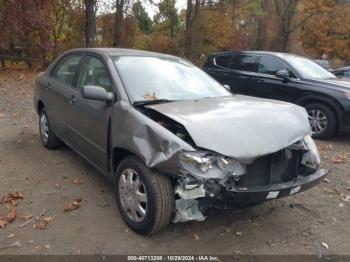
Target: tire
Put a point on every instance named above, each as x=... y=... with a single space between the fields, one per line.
x=156 y=189
x=47 y=136
x=328 y=130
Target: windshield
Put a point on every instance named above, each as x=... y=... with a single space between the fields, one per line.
x=153 y=78
x=308 y=68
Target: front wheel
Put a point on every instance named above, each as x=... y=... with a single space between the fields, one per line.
x=145 y=198
x=322 y=119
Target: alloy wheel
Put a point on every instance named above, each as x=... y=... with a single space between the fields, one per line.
x=318 y=121
x=44 y=128
x=133 y=195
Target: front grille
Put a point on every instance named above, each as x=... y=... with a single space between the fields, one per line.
x=271 y=169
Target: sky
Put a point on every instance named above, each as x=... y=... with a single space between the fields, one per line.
x=151 y=9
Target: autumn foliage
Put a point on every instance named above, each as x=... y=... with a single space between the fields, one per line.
x=37 y=31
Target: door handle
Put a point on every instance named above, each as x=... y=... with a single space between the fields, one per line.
x=71 y=99
x=48 y=86
x=258 y=80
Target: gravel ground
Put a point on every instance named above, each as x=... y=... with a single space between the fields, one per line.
x=313 y=222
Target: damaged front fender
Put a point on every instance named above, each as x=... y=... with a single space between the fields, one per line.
x=153 y=144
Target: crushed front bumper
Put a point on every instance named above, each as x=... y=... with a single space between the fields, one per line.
x=258 y=194
x=194 y=203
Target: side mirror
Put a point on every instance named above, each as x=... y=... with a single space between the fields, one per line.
x=96 y=93
x=228 y=88
x=283 y=74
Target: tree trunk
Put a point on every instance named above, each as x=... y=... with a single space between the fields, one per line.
x=118 y=22
x=90 y=19
x=188 y=33
x=2 y=61
x=261 y=31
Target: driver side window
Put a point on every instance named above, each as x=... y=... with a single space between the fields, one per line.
x=94 y=72
x=270 y=66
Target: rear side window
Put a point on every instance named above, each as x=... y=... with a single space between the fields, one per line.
x=345 y=73
x=244 y=63
x=270 y=66
x=66 y=69
x=222 y=60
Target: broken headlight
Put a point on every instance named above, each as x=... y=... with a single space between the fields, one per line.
x=311 y=158
x=210 y=165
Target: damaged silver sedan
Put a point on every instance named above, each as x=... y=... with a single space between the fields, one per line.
x=174 y=141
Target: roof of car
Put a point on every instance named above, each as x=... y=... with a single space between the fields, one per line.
x=122 y=51
x=342 y=68
x=279 y=54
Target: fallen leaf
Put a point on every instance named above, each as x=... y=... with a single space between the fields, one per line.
x=339 y=159
x=11 y=197
x=195 y=237
x=227 y=229
x=73 y=205
x=78 y=181
x=11 y=216
x=27 y=217
x=57 y=186
x=3 y=223
x=322 y=147
x=26 y=223
x=149 y=96
x=325 y=245
x=238 y=233
x=43 y=222
x=326 y=180
x=328 y=190
x=346 y=198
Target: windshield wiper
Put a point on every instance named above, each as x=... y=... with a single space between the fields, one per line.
x=152 y=102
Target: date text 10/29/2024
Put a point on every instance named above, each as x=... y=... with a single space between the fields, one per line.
x=172 y=258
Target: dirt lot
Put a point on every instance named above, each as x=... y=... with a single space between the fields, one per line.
x=314 y=222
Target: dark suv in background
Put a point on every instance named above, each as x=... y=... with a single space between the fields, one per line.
x=290 y=78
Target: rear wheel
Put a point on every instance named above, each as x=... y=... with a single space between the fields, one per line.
x=322 y=119
x=47 y=135
x=145 y=198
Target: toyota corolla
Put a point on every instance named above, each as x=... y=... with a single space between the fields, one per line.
x=174 y=142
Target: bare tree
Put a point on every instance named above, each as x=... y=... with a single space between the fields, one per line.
x=188 y=34
x=118 y=22
x=90 y=22
x=190 y=18
x=286 y=11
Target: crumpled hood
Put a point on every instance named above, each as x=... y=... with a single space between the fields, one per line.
x=238 y=126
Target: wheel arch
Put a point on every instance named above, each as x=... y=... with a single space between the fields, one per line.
x=118 y=154
x=334 y=106
x=39 y=106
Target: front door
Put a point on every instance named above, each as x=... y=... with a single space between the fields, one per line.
x=268 y=85
x=89 y=119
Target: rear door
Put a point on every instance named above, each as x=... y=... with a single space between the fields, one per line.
x=235 y=70
x=58 y=87
x=88 y=120
x=243 y=71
